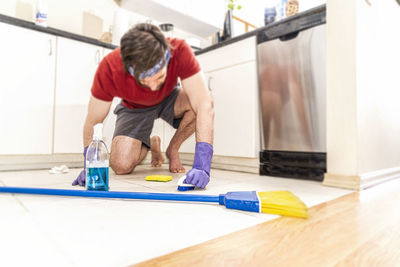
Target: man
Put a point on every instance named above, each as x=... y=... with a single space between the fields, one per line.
x=144 y=73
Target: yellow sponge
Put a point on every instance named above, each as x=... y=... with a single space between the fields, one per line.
x=159 y=178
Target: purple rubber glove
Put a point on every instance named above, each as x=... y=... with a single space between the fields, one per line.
x=81 y=179
x=199 y=175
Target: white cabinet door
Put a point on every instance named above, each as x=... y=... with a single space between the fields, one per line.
x=26 y=91
x=109 y=122
x=234 y=54
x=106 y=51
x=76 y=65
x=236 y=125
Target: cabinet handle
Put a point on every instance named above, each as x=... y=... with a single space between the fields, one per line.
x=50 y=47
x=97 y=57
x=209 y=83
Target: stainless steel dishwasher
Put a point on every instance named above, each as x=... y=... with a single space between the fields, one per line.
x=292 y=81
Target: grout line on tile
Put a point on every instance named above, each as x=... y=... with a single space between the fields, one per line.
x=145 y=186
x=20 y=202
x=53 y=241
x=16 y=198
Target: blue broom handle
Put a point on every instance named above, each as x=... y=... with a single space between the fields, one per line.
x=110 y=194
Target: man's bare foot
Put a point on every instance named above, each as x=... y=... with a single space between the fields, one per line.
x=175 y=164
x=157 y=158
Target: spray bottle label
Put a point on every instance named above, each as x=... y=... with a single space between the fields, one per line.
x=97 y=178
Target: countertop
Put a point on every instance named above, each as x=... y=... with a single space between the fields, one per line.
x=298 y=21
x=57 y=32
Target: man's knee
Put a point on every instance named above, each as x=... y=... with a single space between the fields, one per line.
x=122 y=166
x=125 y=154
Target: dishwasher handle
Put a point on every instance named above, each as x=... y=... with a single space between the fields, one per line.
x=290 y=27
x=288 y=36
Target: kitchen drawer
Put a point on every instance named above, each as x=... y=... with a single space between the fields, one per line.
x=229 y=55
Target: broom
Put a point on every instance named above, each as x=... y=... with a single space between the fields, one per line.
x=275 y=202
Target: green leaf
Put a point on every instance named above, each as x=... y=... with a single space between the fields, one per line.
x=231 y=6
x=239 y=7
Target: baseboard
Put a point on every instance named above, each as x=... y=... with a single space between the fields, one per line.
x=380 y=176
x=249 y=165
x=363 y=181
x=38 y=162
x=342 y=181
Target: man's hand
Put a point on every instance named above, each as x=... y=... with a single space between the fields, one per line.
x=199 y=175
x=97 y=112
x=81 y=179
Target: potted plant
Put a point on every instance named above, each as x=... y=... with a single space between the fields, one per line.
x=232 y=5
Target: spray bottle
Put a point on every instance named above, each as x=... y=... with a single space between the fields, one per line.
x=97 y=164
x=41 y=13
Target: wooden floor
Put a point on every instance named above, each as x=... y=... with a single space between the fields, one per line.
x=359 y=229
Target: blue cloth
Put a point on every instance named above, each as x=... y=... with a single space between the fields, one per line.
x=199 y=175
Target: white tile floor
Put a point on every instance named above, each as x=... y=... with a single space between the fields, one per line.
x=71 y=231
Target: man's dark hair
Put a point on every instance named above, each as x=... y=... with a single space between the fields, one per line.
x=142 y=47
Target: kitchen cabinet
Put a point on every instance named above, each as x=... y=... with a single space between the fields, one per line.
x=235 y=107
x=109 y=122
x=61 y=93
x=76 y=66
x=73 y=93
x=229 y=55
x=106 y=51
x=231 y=75
x=26 y=91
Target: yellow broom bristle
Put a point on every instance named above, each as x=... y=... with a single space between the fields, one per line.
x=282 y=203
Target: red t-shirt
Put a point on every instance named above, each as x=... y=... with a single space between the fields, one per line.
x=111 y=80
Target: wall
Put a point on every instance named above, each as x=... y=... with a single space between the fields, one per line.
x=378 y=86
x=341 y=83
x=68 y=15
x=65 y=15
x=363 y=118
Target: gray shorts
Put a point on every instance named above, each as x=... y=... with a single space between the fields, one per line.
x=138 y=123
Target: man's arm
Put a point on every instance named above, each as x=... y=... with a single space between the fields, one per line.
x=202 y=103
x=97 y=112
